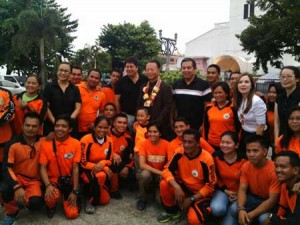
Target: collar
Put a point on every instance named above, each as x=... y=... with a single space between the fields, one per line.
x=113 y=133
x=190 y=158
x=96 y=141
x=65 y=142
x=23 y=141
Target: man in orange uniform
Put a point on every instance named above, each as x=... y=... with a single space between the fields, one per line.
x=180 y=125
x=93 y=102
x=7 y=110
x=193 y=186
x=259 y=187
x=59 y=169
x=287 y=168
x=123 y=154
x=21 y=170
x=109 y=89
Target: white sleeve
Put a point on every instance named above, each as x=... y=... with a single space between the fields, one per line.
x=260 y=110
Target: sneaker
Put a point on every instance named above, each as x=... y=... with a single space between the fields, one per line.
x=166 y=217
x=9 y=220
x=50 y=212
x=89 y=208
x=141 y=205
x=116 y=195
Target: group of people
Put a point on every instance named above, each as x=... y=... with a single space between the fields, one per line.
x=198 y=146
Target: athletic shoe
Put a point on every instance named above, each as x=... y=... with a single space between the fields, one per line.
x=166 y=217
x=141 y=205
x=9 y=220
x=116 y=195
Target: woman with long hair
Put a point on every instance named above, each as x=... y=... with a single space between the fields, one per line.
x=251 y=109
x=219 y=116
x=290 y=140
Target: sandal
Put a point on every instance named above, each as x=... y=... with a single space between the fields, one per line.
x=89 y=208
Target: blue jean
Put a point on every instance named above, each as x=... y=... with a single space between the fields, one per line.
x=252 y=202
x=219 y=203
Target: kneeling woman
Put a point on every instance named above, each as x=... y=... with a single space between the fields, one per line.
x=228 y=166
x=96 y=157
x=152 y=157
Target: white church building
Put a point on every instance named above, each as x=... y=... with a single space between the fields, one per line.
x=221 y=46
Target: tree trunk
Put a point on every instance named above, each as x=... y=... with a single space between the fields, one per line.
x=42 y=61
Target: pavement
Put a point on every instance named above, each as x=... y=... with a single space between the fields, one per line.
x=117 y=212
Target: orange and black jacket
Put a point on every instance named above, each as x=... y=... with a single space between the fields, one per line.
x=92 y=152
x=289 y=208
x=7 y=110
x=37 y=105
x=123 y=146
x=21 y=159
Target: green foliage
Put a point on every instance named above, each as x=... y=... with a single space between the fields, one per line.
x=171 y=76
x=32 y=32
x=89 y=55
x=125 y=40
x=274 y=33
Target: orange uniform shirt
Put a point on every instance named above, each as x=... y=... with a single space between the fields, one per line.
x=140 y=137
x=197 y=174
x=155 y=155
x=228 y=174
x=109 y=94
x=7 y=110
x=177 y=143
x=37 y=105
x=261 y=181
x=123 y=146
x=93 y=152
x=67 y=153
x=294 y=145
x=92 y=102
x=216 y=121
x=22 y=159
x=270 y=119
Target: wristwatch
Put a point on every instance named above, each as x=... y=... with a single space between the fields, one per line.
x=193 y=200
x=76 y=192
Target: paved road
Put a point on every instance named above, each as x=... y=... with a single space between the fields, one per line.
x=117 y=212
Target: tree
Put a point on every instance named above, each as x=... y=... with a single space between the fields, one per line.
x=274 y=33
x=91 y=57
x=33 y=33
x=124 y=40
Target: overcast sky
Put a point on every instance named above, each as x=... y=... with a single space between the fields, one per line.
x=188 y=18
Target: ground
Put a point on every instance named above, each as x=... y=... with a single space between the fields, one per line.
x=117 y=212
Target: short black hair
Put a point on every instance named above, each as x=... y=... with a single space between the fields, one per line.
x=132 y=60
x=116 y=70
x=189 y=60
x=96 y=70
x=181 y=119
x=225 y=88
x=77 y=67
x=193 y=132
x=111 y=104
x=99 y=119
x=37 y=77
x=156 y=124
x=120 y=115
x=217 y=67
x=66 y=118
x=293 y=156
x=146 y=110
x=255 y=138
x=234 y=72
x=154 y=61
x=232 y=134
x=295 y=70
x=33 y=115
x=67 y=63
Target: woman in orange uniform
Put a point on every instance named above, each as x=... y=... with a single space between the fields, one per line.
x=96 y=157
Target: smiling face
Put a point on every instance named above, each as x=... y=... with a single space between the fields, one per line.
x=101 y=129
x=227 y=145
x=131 y=69
x=120 y=124
x=288 y=79
x=212 y=75
x=62 y=130
x=142 y=117
x=63 y=72
x=219 y=95
x=180 y=127
x=32 y=86
x=93 y=79
x=153 y=134
x=152 y=71
x=294 y=121
x=284 y=170
x=188 y=71
x=244 y=85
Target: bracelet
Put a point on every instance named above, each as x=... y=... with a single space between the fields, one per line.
x=240 y=208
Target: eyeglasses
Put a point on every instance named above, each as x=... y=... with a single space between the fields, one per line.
x=63 y=71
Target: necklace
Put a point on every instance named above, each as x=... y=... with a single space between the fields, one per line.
x=149 y=99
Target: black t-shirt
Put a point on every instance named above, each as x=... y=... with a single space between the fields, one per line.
x=190 y=100
x=61 y=102
x=129 y=92
x=284 y=104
